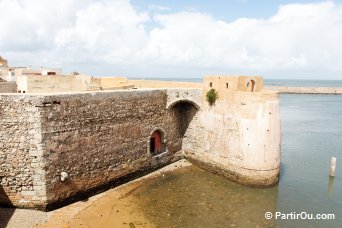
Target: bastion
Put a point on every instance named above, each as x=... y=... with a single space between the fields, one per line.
x=60 y=147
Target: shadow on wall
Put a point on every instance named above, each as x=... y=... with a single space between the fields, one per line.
x=184 y=113
x=5 y=213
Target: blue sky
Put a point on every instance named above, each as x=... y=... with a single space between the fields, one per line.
x=141 y=38
x=228 y=10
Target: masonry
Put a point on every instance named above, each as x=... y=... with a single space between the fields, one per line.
x=55 y=147
x=8 y=87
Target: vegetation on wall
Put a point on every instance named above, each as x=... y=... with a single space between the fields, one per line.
x=212 y=96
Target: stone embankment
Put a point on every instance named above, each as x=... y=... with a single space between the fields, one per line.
x=305 y=90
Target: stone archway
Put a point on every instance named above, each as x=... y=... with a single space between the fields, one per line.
x=181 y=116
x=184 y=112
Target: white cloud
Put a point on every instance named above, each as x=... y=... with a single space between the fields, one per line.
x=298 y=39
x=159 y=7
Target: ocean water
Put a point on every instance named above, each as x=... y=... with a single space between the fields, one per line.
x=311 y=134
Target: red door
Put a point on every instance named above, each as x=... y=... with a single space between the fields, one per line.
x=155 y=143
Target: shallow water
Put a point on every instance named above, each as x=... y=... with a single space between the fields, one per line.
x=191 y=197
x=311 y=134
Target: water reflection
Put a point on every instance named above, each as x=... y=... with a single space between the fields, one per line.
x=331 y=185
x=191 y=197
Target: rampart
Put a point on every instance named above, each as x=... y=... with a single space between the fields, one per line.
x=56 y=148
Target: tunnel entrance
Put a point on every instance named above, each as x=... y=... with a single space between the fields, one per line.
x=183 y=112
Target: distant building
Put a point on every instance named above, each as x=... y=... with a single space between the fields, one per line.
x=3 y=62
x=3 y=68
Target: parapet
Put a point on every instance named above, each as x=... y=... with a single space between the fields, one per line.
x=234 y=83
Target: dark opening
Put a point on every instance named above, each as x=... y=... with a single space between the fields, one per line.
x=156 y=143
x=250 y=85
x=211 y=84
x=183 y=113
x=152 y=145
x=227 y=85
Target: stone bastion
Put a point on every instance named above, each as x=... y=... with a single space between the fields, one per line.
x=58 y=148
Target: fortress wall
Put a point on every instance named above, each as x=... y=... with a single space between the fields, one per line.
x=238 y=136
x=22 y=179
x=98 y=137
x=95 y=137
x=47 y=84
x=163 y=84
x=242 y=144
x=8 y=87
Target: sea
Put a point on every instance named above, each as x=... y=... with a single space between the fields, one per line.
x=305 y=197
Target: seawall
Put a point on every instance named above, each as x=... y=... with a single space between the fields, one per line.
x=305 y=90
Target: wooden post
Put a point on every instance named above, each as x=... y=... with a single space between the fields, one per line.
x=332 y=166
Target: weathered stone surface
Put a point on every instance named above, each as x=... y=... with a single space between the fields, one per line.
x=21 y=150
x=8 y=87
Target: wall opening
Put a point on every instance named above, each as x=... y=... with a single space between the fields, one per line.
x=211 y=84
x=227 y=85
x=183 y=112
x=157 y=143
x=250 y=84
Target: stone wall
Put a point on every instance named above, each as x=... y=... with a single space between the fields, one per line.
x=94 y=137
x=8 y=87
x=100 y=137
x=239 y=135
x=22 y=180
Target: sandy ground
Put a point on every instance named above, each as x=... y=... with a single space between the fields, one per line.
x=88 y=213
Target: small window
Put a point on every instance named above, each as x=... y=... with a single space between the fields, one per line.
x=211 y=84
x=227 y=85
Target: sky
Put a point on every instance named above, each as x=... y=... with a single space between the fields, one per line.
x=276 y=39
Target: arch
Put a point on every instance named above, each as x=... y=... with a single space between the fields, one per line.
x=250 y=84
x=156 y=143
x=182 y=112
x=194 y=104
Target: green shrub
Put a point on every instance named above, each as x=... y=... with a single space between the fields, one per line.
x=212 y=96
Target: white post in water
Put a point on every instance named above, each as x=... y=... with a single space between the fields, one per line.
x=332 y=166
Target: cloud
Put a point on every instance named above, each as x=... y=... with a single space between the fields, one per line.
x=159 y=7
x=298 y=39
